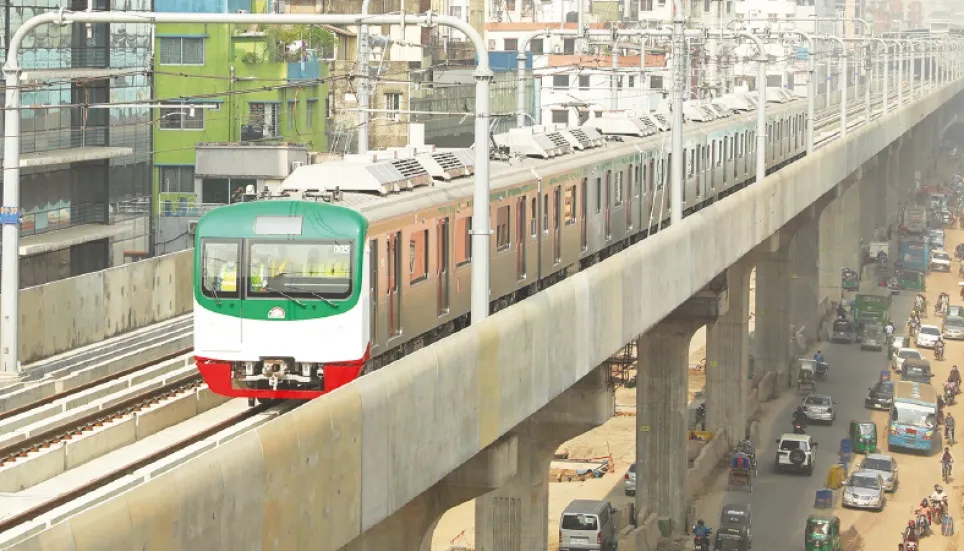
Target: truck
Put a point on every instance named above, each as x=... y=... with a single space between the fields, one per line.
x=914 y=255
x=915 y=219
x=872 y=307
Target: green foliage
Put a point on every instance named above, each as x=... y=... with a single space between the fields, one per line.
x=315 y=37
x=249 y=58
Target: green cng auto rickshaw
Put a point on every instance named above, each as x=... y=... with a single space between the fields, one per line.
x=912 y=281
x=849 y=280
x=822 y=533
x=863 y=436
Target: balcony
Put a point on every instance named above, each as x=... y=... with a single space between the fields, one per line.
x=308 y=68
x=248 y=160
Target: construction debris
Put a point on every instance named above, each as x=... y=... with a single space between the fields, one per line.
x=579 y=469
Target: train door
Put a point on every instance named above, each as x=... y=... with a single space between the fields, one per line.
x=607 y=206
x=394 y=279
x=373 y=289
x=442 y=247
x=520 y=250
x=630 y=190
x=556 y=226
x=584 y=214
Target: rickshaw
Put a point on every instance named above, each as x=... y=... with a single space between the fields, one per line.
x=822 y=533
x=843 y=331
x=863 y=436
x=849 y=280
x=912 y=281
x=741 y=472
x=805 y=382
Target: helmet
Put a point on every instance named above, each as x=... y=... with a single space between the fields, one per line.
x=937 y=488
x=910 y=523
x=699 y=522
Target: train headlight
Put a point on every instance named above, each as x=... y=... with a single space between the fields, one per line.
x=306 y=369
x=249 y=368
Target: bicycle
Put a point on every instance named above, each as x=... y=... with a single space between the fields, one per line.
x=946 y=470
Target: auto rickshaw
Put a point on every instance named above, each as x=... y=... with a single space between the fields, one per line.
x=849 y=280
x=863 y=436
x=843 y=331
x=822 y=533
x=805 y=378
x=912 y=281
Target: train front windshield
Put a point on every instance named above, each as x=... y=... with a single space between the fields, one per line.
x=302 y=270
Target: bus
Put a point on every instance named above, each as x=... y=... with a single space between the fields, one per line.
x=913 y=418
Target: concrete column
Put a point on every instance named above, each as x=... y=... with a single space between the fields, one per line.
x=772 y=327
x=829 y=257
x=867 y=201
x=727 y=358
x=804 y=279
x=850 y=236
x=515 y=516
x=411 y=527
x=891 y=193
x=661 y=409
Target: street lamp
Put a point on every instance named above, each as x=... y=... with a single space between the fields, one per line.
x=843 y=83
x=10 y=276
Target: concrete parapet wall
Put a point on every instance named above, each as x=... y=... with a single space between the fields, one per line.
x=70 y=313
x=319 y=476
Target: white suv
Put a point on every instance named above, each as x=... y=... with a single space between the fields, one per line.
x=796 y=452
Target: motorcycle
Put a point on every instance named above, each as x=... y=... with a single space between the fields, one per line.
x=937 y=511
x=939 y=352
x=949 y=397
x=701 y=543
x=946 y=471
x=949 y=434
x=908 y=546
x=922 y=525
x=799 y=428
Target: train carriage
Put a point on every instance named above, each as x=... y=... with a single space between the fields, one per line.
x=394 y=238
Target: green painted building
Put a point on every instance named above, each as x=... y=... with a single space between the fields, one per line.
x=232 y=84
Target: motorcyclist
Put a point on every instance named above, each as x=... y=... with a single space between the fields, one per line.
x=702 y=532
x=924 y=509
x=910 y=533
x=939 y=348
x=800 y=417
x=841 y=313
x=818 y=357
x=947 y=458
x=954 y=377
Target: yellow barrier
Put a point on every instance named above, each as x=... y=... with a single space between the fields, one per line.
x=835 y=478
x=702 y=435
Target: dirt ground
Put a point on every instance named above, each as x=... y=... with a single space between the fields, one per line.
x=616 y=438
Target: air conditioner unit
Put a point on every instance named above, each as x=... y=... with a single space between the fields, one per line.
x=295 y=165
x=242 y=12
x=191 y=228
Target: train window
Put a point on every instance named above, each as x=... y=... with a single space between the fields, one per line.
x=373 y=286
x=618 y=190
x=463 y=241
x=418 y=256
x=545 y=212
x=638 y=181
x=219 y=276
x=557 y=223
x=570 y=205
x=598 y=195
x=520 y=255
x=534 y=218
x=502 y=228
x=301 y=269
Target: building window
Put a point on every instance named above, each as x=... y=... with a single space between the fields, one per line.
x=418 y=256
x=560 y=116
x=182 y=51
x=509 y=5
x=647 y=5
x=264 y=115
x=619 y=82
x=455 y=11
x=502 y=228
x=292 y=111
x=511 y=44
x=393 y=103
x=632 y=81
x=178 y=117
x=535 y=46
x=569 y=46
x=706 y=6
x=656 y=82
x=176 y=179
x=310 y=108
x=583 y=82
x=560 y=81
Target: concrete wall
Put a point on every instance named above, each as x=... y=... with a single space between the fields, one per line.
x=82 y=310
x=322 y=474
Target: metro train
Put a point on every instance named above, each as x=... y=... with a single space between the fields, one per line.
x=304 y=288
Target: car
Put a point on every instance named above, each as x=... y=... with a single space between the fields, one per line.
x=864 y=490
x=905 y=354
x=940 y=260
x=884 y=465
x=955 y=311
x=880 y=396
x=897 y=342
x=736 y=522
x=953 y=327
x=936 y=241
x=629 y=482
x=819 y=407
x=796 y=452
x=927 y=336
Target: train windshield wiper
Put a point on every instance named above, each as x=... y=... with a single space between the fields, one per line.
x=312 y=293
x=271 y=289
